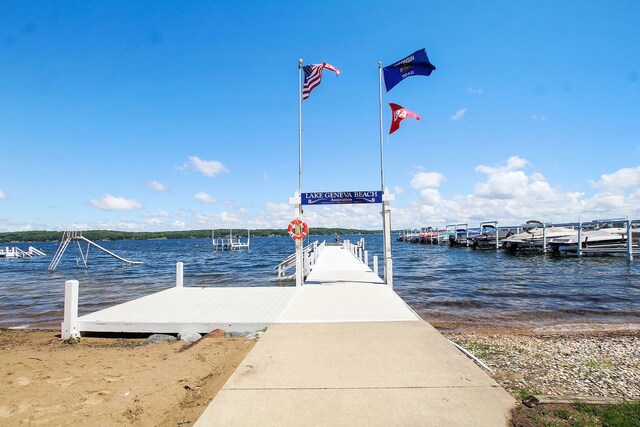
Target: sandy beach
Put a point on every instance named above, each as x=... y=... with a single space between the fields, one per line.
x=105 y=381
x=110 y=381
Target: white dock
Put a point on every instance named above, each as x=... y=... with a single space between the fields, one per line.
x=342 y=349
x=340 y=288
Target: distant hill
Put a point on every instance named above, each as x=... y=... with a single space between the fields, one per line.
x=48 y=236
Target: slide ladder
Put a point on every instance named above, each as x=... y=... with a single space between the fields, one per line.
x=66 y=238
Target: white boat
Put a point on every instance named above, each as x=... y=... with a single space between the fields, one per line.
x=533 y=239
x=590 y=238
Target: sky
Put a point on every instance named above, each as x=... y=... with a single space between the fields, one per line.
x=171 y=115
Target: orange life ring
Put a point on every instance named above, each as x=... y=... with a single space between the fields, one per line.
x=294 y=229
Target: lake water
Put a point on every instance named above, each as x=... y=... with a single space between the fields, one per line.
x=439 y=282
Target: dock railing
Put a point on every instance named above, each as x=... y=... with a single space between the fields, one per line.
x=310 y=255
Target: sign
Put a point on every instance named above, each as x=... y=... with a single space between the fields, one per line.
x=341 y=197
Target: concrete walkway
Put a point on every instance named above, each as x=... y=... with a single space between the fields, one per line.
x=357 y=374
x=338 y=356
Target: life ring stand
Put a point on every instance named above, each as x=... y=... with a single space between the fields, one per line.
x=294 y=229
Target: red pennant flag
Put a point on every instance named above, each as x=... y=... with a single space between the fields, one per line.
x=398 y=114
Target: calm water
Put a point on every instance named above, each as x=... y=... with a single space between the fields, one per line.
x=438 y=282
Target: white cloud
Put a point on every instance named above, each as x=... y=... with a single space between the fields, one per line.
x=113 y=203
x=538 y=117
x=475 y=91
x=159 y=213
x=511 y=195
x=155 y=185
x=204 y=197
x=423 y=180
x=458 y=115
x=503 y=185
x=209 y=168
x=619 y=180
x=431 y=196
x=513 y=163
x=398 y=190
x=2 y=195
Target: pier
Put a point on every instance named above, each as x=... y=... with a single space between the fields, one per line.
x=341 y=349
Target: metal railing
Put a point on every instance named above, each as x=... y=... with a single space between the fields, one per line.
x=310 y=255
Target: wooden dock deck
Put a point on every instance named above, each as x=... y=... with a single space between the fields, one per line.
x=340 y=288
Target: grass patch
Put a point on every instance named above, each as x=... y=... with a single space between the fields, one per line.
x=578 y=415
x=483 y=351
x=600 y=364
x=525 y=392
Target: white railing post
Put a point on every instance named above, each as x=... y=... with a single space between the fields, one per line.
x=375 y=264
x=70 y=323
x=179 y=274
x=366 y=258
x=629 y=241
x=307 y=264
x=579 y=249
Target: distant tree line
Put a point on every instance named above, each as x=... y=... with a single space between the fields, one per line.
x=48 y=236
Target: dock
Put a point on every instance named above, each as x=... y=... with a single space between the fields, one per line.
x=348 y=351
x=340 y=288
x=343 y=349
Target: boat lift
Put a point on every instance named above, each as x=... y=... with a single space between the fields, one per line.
x=230 y=243
x=76 y=236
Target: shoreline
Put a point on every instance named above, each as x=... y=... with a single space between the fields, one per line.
x=122 y=380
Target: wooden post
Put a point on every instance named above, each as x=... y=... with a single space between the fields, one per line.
x=70 y=323
x=366 y=258
x=179 y=274
x=375 y=264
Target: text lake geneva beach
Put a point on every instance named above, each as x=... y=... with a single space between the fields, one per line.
x=440 y=283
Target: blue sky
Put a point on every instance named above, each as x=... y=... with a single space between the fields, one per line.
x=183 y=115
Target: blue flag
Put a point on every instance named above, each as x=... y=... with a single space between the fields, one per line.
x=416 y=64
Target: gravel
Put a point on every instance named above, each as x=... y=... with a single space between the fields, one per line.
x=593 y=363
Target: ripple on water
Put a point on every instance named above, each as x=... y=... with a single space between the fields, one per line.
x=434 y=280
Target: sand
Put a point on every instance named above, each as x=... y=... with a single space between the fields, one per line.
x=108 y=381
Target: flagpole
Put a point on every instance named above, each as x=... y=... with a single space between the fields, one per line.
x=386 y=214
x=300 y=126
x=381 y=130
x=298 y=209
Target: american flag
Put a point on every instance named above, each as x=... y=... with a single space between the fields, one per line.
x=313 y=75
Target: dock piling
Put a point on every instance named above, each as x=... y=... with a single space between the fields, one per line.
x=70 y=323
x=179 y=274
x=629 y=240
x=375 y=264
x=579 y=249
